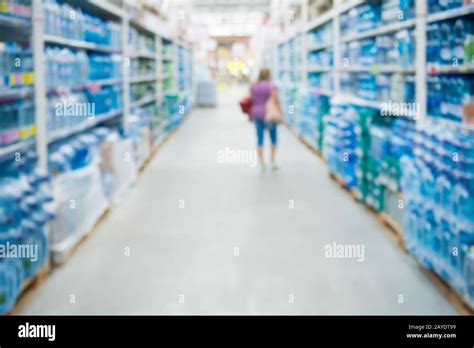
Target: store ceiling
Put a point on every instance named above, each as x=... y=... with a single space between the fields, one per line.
x=229 y=17
x=231 y=6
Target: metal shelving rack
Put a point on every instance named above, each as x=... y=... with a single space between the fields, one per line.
x=39 y=40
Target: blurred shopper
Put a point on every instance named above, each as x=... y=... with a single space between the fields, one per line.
x=266 y=113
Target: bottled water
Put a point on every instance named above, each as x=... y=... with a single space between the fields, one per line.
x=444 y=203
x=64 y=20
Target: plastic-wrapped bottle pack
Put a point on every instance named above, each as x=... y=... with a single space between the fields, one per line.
x=438 y=183
x=25 y=209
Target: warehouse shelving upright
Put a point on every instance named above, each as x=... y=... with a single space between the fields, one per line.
x=143 y=85
x=42 y=40
x=419 y=69
x=34 y=30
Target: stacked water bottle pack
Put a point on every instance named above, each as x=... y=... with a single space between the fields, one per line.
x=78 y=71
x=369 y=15
x=69 y=22
x=320 y=35
x=282 y=58
x=340 y=142
x=310 y=125
x=364 y=149
x=395 y=10
x=68 y=110
x=142 y=90
x=25 y=209
x=139 y=132
x=75 y=69
x=78 y=186
x=447 y=94
x=322 y=81
x=17 y=121
x=294 y=59
x=142 y=67
x=320 y=58
x=442 y=5
x=16 y=65
x=181 y=68
x=396 y=49
x=167 y=49
x=368 y=189
x=438 y=184
x=451 y=42
x=381 y=170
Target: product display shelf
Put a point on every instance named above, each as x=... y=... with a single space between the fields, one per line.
x=137 y=24
x=434 y=69
x=105 y=12
x=382 y=29
x=143 y=101
x=144 y=54
x=14 y=28
x=15 y=147
x=16 y=93
x=319 y=46
x=350 y=99
x=19 y=30
x=419 y=69
x=12 y=22
x=316 y=69
x=449 y=14
x=377 y=69
x=322 y=91
x=100 y=8
x=385 y=29
x=320 y=21
x=56 y=40
x=140 y=79
x=89 y=84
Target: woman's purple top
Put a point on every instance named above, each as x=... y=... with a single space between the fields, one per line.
x=260 y=92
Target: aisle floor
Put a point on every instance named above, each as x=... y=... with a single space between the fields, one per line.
x=207 y=237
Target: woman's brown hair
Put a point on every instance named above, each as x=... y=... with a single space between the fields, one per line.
x=264 y=74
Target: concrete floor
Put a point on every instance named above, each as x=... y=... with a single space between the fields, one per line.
x=184 y=259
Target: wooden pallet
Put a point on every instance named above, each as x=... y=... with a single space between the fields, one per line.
x=394 y=227
x=29 y=286
x=343 y=185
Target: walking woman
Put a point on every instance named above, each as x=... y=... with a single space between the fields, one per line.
x=260 y=93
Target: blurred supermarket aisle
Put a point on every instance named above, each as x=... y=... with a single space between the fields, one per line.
x=202 y=234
